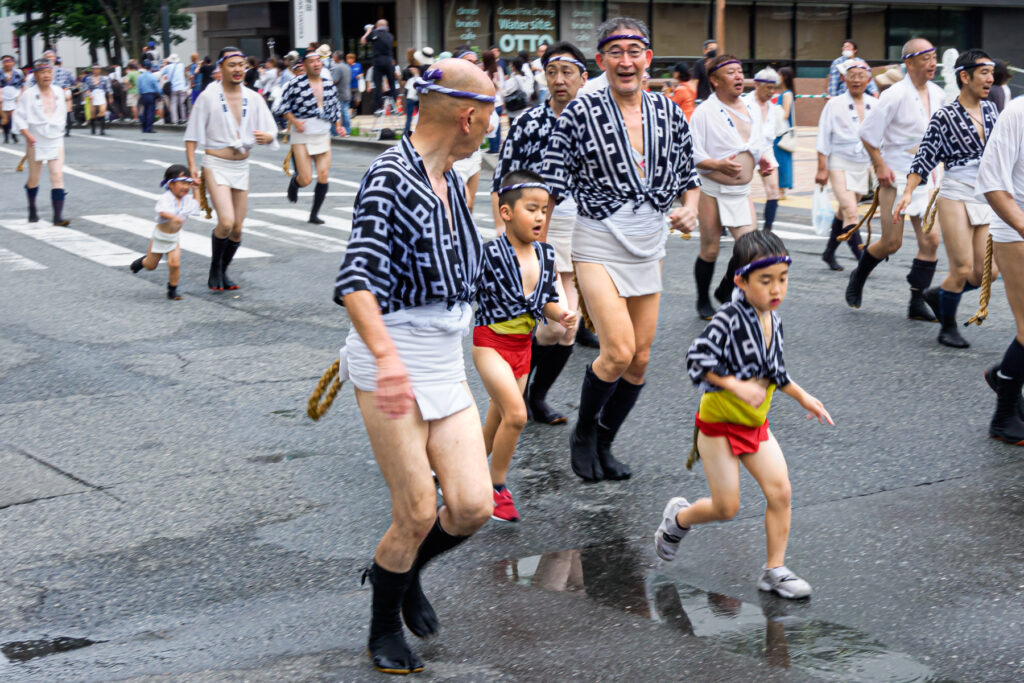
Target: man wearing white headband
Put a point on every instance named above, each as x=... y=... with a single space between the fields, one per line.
x=956 y=137
x=765 y=83
x=626 y=156
x=227 y=120
x=311 y=105
x=727 y=143
x=40 y=117
x=892 y=133
x=842 y=159
x=412 y=266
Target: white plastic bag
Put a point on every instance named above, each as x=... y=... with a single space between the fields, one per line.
x=822 y=212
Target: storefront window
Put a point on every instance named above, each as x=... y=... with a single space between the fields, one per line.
x=524 y=25
x=579 y=22
x=737 y=29
x=820 y=31
x=868 y=29
x=772 y=32
x=468 y=22
x=905 y=24
x=679 y=28
x=957 y=29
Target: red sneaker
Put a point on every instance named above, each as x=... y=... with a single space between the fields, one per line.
x=504 y=508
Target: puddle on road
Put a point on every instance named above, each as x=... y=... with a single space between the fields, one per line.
x=766 y=631
x=279 y=457
x=24 y=650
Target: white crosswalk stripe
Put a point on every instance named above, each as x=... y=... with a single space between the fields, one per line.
x=10 y=260
x=343 y=224
x=295 y=236
x=75 y=242
x=190 y=241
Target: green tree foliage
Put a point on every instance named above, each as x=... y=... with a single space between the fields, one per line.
x=129 y=24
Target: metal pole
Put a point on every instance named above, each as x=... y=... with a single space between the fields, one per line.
x=165 y=22
x=335 y=20
x=28 y=41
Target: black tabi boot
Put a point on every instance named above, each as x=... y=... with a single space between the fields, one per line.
x=855 y=287
x=417 y=612
x=992 y=379
x=855 y=241
x=103 y=125
x=7 y=132
x=586 y=337
x=583 y=442
x=319 y=194
x=950 y=335
x=293 y=189
x=550 y=361
x=771 y=206
x=387 y=647
x=829 y=255
x=172 y=292
x=920 y=278
x=1006 y=424
x=57 y=195
x=31 y=192
x=703 y=273
x=608 y=425
x=215 y=281
x=230 y=248
x=14 y=137
x=136 y=265
x=724 y=290
x=92 y=125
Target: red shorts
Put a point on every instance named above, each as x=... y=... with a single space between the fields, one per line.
x=514 y=348
x=742 y=439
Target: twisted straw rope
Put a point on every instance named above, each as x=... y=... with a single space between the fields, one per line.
x=582 y=302
x=986 y=287
x=288 y=157
x=316 y=408
x=930 y=212
x=866 y=219
x=204 y=204
x=21 y=164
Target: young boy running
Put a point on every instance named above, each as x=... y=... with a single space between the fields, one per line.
x=517 y=289
x=173 y=208
x=737 y=360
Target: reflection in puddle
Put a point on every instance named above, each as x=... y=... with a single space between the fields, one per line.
x=24 y=650
x=762 y=631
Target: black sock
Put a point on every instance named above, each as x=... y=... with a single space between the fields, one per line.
x=32 y=192
x=921 y=274
x=388 y=590
x=867 y=264
x=437 y=541
x=419 y=615
x=948 y=303
x=703 y=273
x=319 y=194
x=770 y=207
x=1012 y=366
x=498 y=488
x=57 y=195
x=968 y=287
x=724 y=290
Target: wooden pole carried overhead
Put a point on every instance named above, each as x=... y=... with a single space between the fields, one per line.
x=720 y=25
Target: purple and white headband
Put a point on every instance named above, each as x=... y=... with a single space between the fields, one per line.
x=426 y=83
x=571 y=60
x=230 y=55
x=623 y=36
x=523 y=186
x=917 y=54
x=973 y=66
x=725 y=63
x=176 y=179
x=762 y=263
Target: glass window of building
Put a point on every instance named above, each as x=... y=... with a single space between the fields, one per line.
x=679 y=28
x=905 y=24
x=737 y=29
x=867 y=27
x=524 y=25
x=820 y=31
x=578 y=22
x=772 y=32
x=468 y=22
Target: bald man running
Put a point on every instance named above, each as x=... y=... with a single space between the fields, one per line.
x=407 y=280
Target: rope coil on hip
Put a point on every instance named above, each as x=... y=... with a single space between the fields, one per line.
x=315 y=407
x=866 y=219
x=986 y=287
x=930 y=212
x=584 y=316
x=287 y=157
x=204 y=204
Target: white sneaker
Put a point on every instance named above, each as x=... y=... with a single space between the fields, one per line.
x=784 y=582
x=669 y=534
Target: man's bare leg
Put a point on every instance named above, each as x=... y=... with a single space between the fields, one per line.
x=323 y=171
x=965 y=269
x=710 y=222
x=303 y=171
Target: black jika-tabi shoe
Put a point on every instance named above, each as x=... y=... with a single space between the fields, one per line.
x=918 y=308
x=614 y=413
x=1006 y=422
x=705 y=311
x=136 y=265
x=230 y=247
x=583 y=441
x=549 y=363
x=854 y=289
x=293 y=190
x=387 y=647
x=215 y=280
x=992 y=378
x=172 y=292
x=586 y=337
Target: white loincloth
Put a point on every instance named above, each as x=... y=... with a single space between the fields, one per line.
x=228 y=172
x=918 y=199
x=856 y=173
x=470 y=166
x=47 y=149
x=733 y=202
x=560 y=237
x=316 y=143
x=164 y=242
x=429 y=342
x=978 y=213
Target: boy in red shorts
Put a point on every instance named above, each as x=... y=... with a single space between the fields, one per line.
x=518 y=288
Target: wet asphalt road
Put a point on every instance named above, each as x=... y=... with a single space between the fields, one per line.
x=167 y=508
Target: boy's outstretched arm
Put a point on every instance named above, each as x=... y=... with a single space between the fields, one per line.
x=813 y=406
x=555 y=313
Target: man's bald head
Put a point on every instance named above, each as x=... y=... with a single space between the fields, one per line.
x=916 y=45
x=457 y=74
x=920 y=68
x=382 y=23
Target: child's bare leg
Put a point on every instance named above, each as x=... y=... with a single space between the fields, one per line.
x=768 y=467
x=491 y=422
x=151 y=260
x=174 y=266
x=722 y=470
x=506 y=394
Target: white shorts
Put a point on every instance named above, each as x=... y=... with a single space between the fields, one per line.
x=164 y=242
x=233 y=174
x=856 y=173
x=9 y=105
x=316 y=143
x=978 y=213
x=133 y=99
x=429 y=342
x=560 y=237
x=470 y=166
x=97 y=97
x=733 y=202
